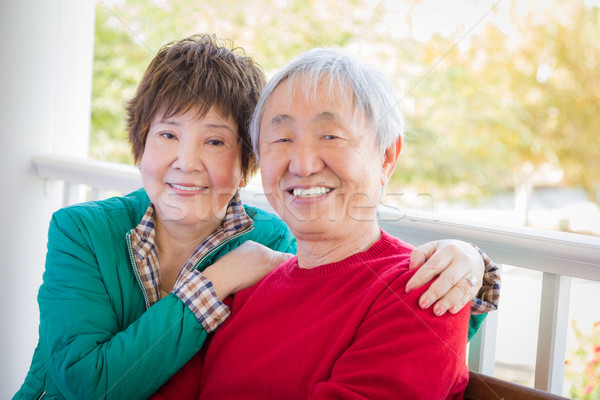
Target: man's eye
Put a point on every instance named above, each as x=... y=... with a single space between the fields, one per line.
x=330 y=137
x=168 y=135
x=282 y=140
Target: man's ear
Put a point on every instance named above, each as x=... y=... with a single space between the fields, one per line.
x=390 y=158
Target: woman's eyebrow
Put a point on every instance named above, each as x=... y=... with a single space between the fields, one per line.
x=213 y=125
x=174 y=123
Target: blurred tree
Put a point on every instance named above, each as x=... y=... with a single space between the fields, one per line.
x=130 y=32
x=515 y=107
x=119 y=62
x=513 y=111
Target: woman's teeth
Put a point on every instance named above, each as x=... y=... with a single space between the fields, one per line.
x=188 y=188
x=311 y=192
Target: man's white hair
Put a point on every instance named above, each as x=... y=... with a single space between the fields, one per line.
x=372 y=92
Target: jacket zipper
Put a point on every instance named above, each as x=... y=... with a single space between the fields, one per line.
x=42 y=395
x=217 y=247
x=136 y=272
x=204 y=257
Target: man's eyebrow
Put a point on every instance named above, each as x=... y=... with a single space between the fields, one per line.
x=281 y=119
x=326 y=116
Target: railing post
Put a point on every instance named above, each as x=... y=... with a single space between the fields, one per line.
x=552 y=334
x=482 y=347
x=66 y=194
x=99 y=194
x=72 y=194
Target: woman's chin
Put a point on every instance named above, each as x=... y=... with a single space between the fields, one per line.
x=184 y=217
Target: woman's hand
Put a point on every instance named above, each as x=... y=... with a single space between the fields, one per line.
x=455 y=262
x=243 y=267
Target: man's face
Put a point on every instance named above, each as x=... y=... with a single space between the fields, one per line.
x=320 y=164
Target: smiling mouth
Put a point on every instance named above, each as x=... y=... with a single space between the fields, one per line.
x=310 y=192
x=186 y=188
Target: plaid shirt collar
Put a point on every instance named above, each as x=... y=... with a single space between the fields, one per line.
x=145 y=253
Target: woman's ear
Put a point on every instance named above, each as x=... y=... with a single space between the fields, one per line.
x=390 y=158
x=242 y=182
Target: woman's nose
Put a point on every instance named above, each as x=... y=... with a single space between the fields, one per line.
x=189 y=157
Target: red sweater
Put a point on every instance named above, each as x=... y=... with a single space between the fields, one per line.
x=343 y=330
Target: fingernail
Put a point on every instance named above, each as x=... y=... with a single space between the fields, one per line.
x=424 y=303
x=409 y=287
x=454 y=310
x=439 y=310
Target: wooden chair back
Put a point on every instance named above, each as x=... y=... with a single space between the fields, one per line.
x=483 y=387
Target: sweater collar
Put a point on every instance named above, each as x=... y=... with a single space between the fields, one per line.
x=353 y=261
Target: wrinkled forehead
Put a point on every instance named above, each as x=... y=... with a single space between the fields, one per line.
x=322 y=92
x=311 y=88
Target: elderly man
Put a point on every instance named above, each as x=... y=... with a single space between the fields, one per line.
x=336 y=321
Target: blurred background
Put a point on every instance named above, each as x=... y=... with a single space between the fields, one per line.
x=501 y=100
x=500 y=97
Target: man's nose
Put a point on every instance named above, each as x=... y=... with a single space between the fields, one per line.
x=305 y=158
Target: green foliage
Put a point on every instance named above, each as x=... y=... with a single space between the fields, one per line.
x=119 y=63
x=483 y=115
x=582 y=368
x=485 y=119
x=130 y=32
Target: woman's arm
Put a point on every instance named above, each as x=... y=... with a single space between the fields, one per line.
x=243 y=267
x=87 y=352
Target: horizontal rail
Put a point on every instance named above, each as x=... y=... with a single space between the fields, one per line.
x=557 y=253
x=96 y=174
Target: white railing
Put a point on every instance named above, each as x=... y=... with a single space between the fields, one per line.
x=559 y=256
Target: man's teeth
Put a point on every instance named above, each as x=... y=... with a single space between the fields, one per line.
x=311 y=192
x=188 y=188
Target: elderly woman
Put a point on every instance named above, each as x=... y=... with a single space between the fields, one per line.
x=133 y=284
x=123 y=305
x=336 y=321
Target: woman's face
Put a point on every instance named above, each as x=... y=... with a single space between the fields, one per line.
x=191 y=166
x=320 y=164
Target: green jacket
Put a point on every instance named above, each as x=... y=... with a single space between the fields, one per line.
x=97 y=340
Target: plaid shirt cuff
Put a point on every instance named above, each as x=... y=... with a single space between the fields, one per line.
x=489 y=295
x=199 y=295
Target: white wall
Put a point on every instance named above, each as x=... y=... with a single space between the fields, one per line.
x=45 y=81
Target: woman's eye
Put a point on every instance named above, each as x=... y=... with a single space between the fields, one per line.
x=330 y=137
x=216 y=142
x=168 y=135
x=283 y=140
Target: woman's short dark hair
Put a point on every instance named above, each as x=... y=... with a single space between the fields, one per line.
x=196 y=73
